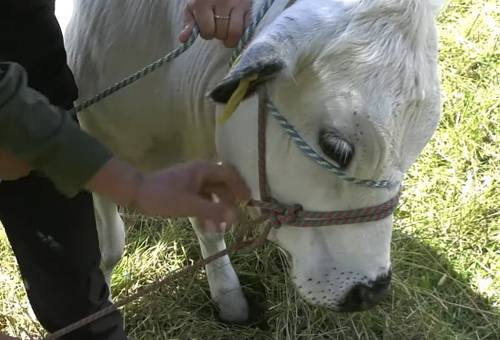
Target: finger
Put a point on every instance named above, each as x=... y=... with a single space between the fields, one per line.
x=236 y=26
x=248 y=18
x=204 y=17
x=222 y=193
x=211 y=227
x=207 y=210
x=225 y=175
x=189 y=23
x=222 y=18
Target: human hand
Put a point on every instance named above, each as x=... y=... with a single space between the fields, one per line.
x=221 y=19
x=12 y=168
x=205 y=190
x=185 y=190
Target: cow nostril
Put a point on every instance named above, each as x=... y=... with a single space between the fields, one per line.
x=365 y=296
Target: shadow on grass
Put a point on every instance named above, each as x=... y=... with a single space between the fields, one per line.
x=429 y=299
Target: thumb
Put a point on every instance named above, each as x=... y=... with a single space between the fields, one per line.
x=189 y=23
x=217 y=212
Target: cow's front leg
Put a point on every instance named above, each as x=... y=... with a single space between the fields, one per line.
x=111 y=233
x=224 y=284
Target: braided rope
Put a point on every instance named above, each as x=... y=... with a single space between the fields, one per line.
x=141 y=73
x=248 y=245
x=276 y=212
x=247 y=35
x=294 y=215
x=317 y=158
x=250 y=30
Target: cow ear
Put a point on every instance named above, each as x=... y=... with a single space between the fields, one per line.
x=261 y=59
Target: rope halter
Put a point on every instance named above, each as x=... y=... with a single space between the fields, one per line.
x=294 y=215
x=279 y=213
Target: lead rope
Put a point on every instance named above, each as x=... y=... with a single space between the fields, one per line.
x=141 y=73
x=248 y=245
x=274 y=212
x=247 y=35
x=261 y=146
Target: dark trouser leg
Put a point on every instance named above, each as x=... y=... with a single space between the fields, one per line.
x=56 y=245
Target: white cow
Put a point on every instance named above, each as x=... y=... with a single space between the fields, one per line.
x=358 y=79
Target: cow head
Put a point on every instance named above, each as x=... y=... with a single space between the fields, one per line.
x=359 y=81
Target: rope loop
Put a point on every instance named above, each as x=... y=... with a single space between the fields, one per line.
x=282 y=214
x=291 y=213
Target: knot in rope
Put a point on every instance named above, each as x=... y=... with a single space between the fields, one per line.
x=277 y=213
x=287 y=215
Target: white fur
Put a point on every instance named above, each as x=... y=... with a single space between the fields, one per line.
x=367 y=68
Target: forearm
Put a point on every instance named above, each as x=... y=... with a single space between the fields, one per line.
x=118 y=181
x=45 y=137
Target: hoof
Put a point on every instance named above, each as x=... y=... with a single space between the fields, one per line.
x=233 y=307
x=253 y=316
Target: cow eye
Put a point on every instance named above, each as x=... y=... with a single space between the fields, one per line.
x=336 y=146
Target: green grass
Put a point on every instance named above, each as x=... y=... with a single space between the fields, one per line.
x=446 y=252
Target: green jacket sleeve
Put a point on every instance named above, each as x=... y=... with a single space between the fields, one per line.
x=45 y=136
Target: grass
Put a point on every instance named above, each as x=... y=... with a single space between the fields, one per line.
x=446 y=252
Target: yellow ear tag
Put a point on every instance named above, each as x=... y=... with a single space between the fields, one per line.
x=236 y=98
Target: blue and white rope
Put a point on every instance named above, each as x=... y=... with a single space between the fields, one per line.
x=141 y=73
x=318 y=159
x=250 y=31
x=247 y=35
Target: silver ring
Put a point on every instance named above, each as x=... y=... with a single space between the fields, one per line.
x=222 y=17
